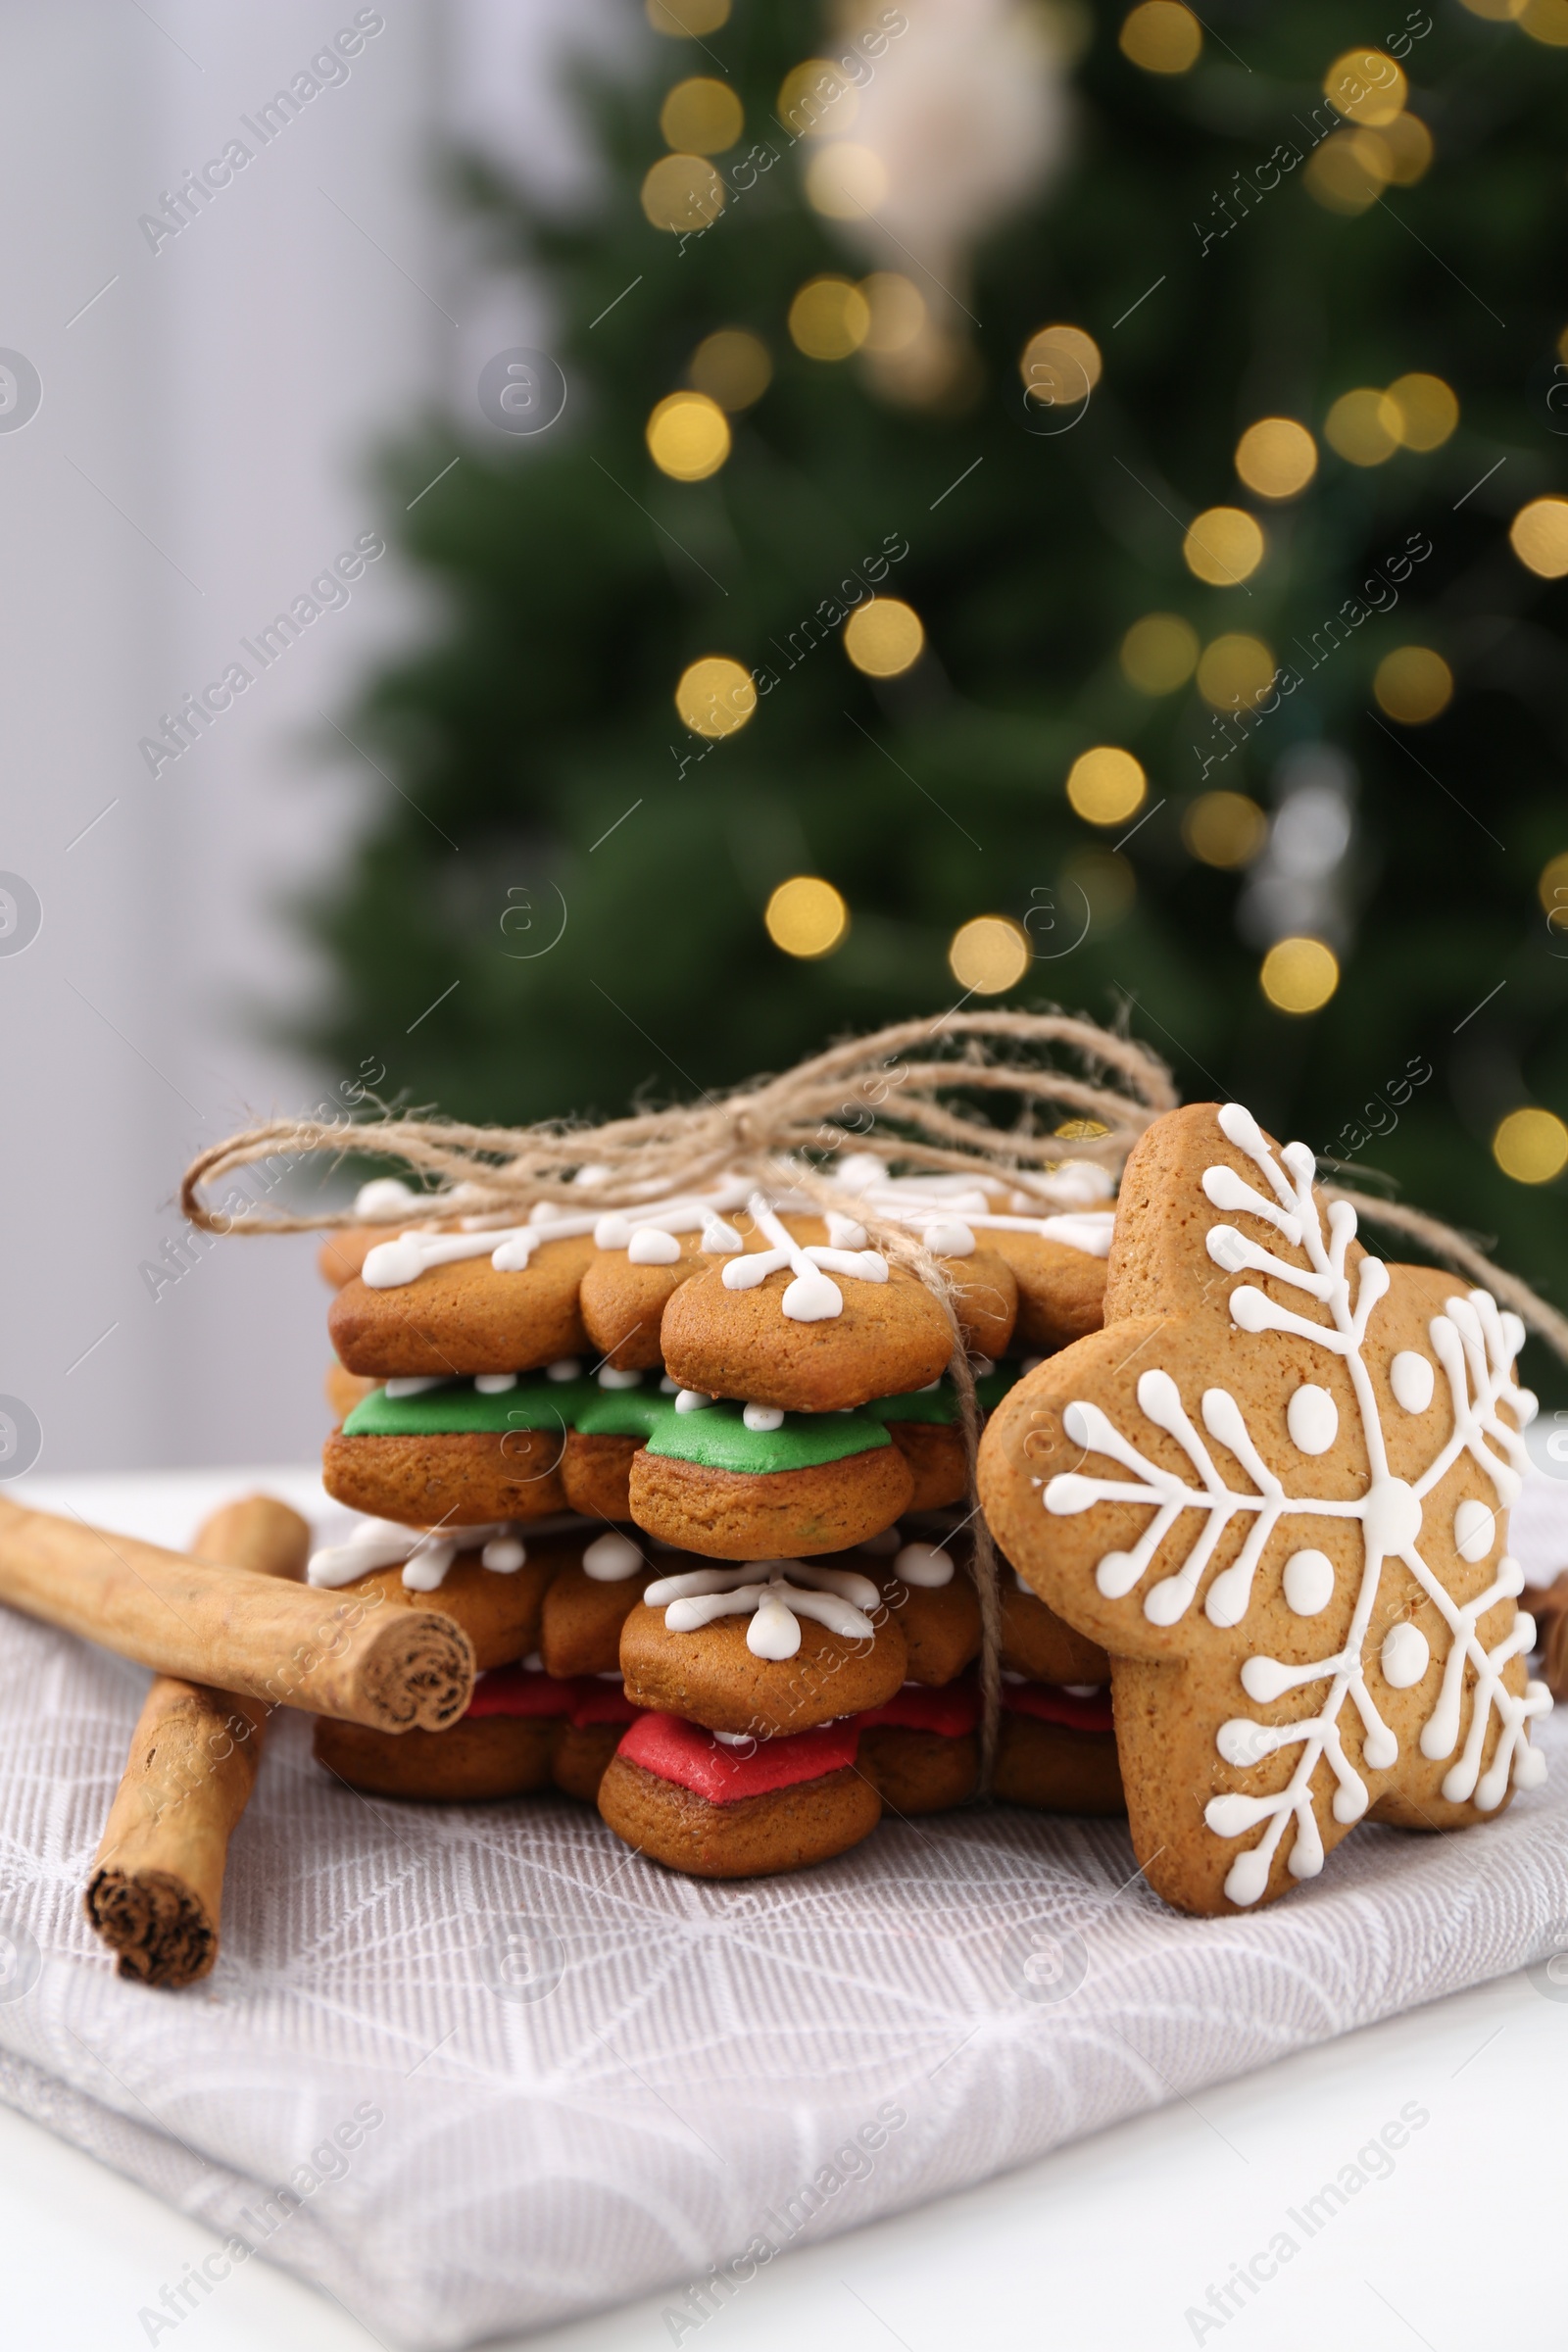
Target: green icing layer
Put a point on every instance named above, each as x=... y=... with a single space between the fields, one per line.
x=457 y=1407
x=717 y=1437
x=940 y=1405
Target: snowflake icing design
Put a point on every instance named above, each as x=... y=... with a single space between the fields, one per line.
x=1475 y=1346
x=775 y=1594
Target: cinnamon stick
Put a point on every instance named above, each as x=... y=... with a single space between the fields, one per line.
x=155 y=1892
x=283 y=1645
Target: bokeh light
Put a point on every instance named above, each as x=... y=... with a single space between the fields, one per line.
x=716 y=695
x=688 y=437
x=1159 y=653
x=701 y=115
x=1406 y=145
x=732 y=368
x=897 y=309
x=1224 y=546
x=1366 y=86
x=829 y=318
x=1363 y=425
x=1546 y=21
x=1531 y=1146
x=1299 y=975
x=1106 y=785
x=817 y=100
x=1538 y=537
x=1497 y=11
x=846 y=182
x=1428 y=409
x=683 y=192
x=1162 y=36
x=988 y=954
x=1236 y=673
x=1060 y=365
x=1412 y=684
x=1224 y=829
x=1552 y=888
x=684 y=19
x=1350 y=171
x=1276 y=457
x=884 y=637
x=806 y=916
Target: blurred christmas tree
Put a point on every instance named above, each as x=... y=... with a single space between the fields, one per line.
x=1047 y=503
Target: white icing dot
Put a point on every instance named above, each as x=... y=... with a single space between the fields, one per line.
x=1246 y=1878
x=494 y=1384
x=1069 y=1493
x=1529 y=1768
x=925 y=1564
x=1412 y=1379
x=1390 y=1516
x=505 y=1554
x=564 y=1367
x=691 y=1400
x=650 y=1246
x=1474 y=1527
x=612 y=1378
x=845 y=1233
x=611 y=1232
x=763 y=1417
x=611 y=1558
x=1265 y=1679
x=808 y=1298
x=951 y=1238
x=1313 y=1419
x=1308 y=1581
x=383 y=1197
x=415 y=1387
x=1406 y=1657
x=668 y=1386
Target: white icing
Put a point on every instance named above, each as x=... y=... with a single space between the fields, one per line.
x=926 y=1565
x=1412 y=1380
x=415 y=1385
x=1475 y=1346
x=1308 y=1583
x=427 y=1554
x=383 y=1199
x=1405 y=1655
x=651 y=1248
x=762 y=1416
x=1313 y=1419
x=691 y=1400
x=1474 y=1527
x=761 y=1590
x=494 y=1384
x=950 y=1236
x=845 y=1233
x=611 y=1558
x=811 y=1297
x=505 y=1554
x=612 y=1377
x=390 y=1265
x=668 y=1386
x=564 y=1367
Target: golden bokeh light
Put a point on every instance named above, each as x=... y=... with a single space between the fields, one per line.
x=716 y=695
x=1428 y=409
x=1538 y=537
x=1531 y=1146
x=1363 y=425
x=1106 y=785
x=1159 y=653
x=988 y=954
x=1497 y=11
x=1406 y=145
x=1236 y=673
x=1224 y=546
x=1552 y=888
x=1546 y=21
x=1366 y=86
x=846 y=182
x=884 y=637
x=1224 y=829
x=1299 y=975
x=806 y=916
x=732 y=367
x=829 y=318
x=1060 y=365
x=684 y=19
x=701 y=115
x=688 y=436
x=1109 y=887
x=683 y=192
x=1413 y=684
x=1276 y=457
x=817 y=100
x=1162 y=36
x=1350 y=171
x=898 y=313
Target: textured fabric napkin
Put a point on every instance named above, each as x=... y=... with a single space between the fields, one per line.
x=474 y=2070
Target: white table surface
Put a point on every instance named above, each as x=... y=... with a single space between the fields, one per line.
x=1115 y=2240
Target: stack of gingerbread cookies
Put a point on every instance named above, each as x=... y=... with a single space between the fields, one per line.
x=692 y=1478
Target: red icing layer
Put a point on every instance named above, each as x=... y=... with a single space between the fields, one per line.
x=523 y=1690
x=952 y=1711
x=685 y=1753
x=601 y=1702
x=1049 y=1703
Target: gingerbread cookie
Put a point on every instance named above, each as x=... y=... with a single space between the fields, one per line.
x=926 y=1429
x=745 y=1483
x=922 y=1747
x=589 y=1601
x=432 y=1450
x=434 y=1304
x=1057 y=1748
x=524 y=1731
x=715 y=1811
x=1274 y=1489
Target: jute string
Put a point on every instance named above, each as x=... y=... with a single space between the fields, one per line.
x=914 y=1092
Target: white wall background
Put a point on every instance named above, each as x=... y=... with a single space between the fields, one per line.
x=201 y=453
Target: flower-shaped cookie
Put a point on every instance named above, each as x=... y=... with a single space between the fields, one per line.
x=1274 y=1488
